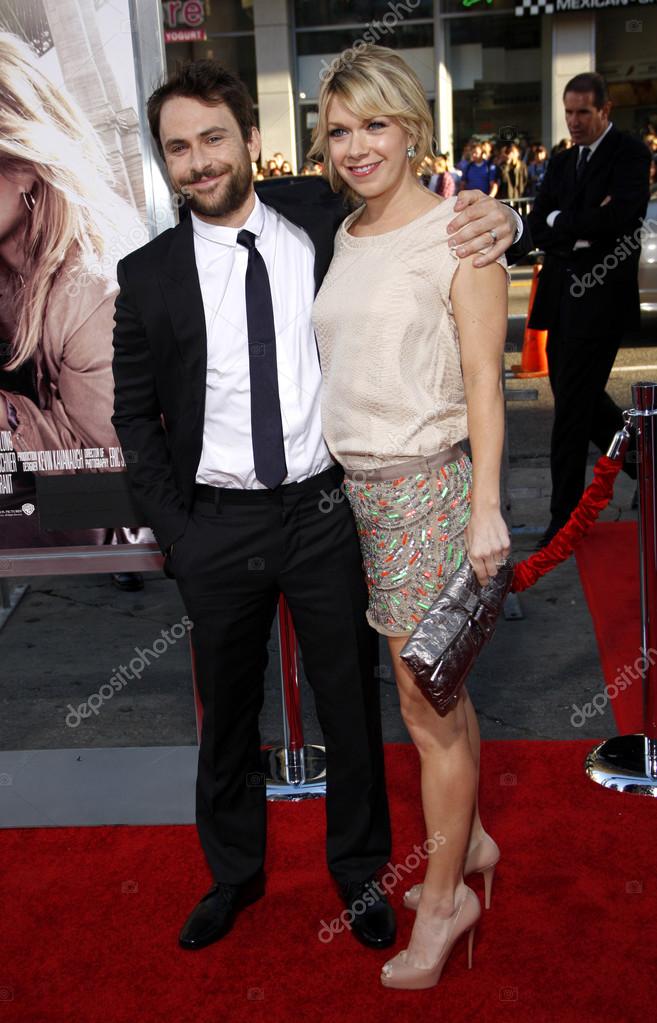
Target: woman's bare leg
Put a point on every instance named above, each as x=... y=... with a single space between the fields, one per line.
x=448 y=782
x=474 y=738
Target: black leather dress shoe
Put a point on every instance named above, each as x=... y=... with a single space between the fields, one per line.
x=548 y=535
x=373 y=922
x=215 y=914
x=130 y=581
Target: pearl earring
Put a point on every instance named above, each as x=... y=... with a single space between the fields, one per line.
x=410 y=152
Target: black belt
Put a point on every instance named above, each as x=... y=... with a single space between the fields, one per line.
x=330 y=477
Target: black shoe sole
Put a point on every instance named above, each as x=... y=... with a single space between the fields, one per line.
x=248 y=900
x=130 y=587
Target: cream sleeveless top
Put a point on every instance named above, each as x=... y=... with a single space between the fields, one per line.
x=388 y=344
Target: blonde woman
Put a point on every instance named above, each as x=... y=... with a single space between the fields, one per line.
x=411 y=339
x=62 y=230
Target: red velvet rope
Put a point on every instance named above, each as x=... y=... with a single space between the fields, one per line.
x=596 y=497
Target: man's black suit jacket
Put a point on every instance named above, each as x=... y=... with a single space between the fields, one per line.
x=160 y=353
x=598 y=298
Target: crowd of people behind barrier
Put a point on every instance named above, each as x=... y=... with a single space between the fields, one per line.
x=502 y=169
x=279 y=167
x=507 y=169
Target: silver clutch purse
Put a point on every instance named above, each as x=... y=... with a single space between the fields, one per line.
x=442 y=648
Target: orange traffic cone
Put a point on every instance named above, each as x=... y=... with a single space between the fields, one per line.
x=534 y=357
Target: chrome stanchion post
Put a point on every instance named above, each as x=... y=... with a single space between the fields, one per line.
x=294 y=769
x=645 y=401
x=629 y=762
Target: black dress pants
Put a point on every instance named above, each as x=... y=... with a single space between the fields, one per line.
x=237 y=555
x=579 y=368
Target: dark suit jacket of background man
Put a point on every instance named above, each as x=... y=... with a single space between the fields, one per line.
x=619 y=167
x=160 y=405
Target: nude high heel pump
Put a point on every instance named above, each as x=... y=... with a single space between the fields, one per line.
x=398 y=973
x=482 y=859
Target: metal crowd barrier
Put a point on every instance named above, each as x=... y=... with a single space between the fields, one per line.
x=522 y=205
x=293 y=768
x=628 y=763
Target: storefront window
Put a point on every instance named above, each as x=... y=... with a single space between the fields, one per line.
x=358 y=12
x=335 y=40
x=625 y=55
x=495 y=65
x=307 y=120
x=478 y=6
x=217 y=29
x=214 y=15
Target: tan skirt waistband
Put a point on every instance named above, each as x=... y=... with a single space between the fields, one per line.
x=408 y=468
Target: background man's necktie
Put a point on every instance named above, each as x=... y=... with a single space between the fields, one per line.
x=266 y=422
x=581 y=162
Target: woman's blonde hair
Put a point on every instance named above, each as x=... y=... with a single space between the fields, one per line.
x=73 y=214
x=372 y=80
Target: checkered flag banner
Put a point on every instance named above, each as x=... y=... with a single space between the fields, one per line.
x=534 y=7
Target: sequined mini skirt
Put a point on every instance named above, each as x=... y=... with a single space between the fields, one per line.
x=411 y=521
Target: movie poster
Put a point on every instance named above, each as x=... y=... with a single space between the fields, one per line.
x=72 y=203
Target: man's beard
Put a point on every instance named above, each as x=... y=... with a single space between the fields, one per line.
x=235 y=185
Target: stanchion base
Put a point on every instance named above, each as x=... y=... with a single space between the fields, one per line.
x=294 y=775
x=10 y=599
x=624 y=763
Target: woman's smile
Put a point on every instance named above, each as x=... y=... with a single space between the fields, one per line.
x=364 y=169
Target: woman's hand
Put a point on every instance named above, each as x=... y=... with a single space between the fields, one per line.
x=487 y=543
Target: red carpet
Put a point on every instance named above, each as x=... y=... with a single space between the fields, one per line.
x=608 y=563
x=90 y=916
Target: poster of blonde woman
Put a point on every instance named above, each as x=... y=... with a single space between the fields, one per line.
x=72 y=203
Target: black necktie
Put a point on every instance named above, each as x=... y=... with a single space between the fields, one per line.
x=581 y=162
x=266 y=422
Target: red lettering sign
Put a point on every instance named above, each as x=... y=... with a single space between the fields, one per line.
x=185 y=35
x=183 y=12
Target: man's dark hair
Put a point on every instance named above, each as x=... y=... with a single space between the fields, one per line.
x=589 y=81
x=208 y=81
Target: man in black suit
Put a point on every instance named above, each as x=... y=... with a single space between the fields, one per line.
x=217 y=384
x=587 y=218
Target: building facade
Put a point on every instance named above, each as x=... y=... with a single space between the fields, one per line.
x=488 y=66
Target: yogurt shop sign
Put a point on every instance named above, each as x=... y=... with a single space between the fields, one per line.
x=183 y=21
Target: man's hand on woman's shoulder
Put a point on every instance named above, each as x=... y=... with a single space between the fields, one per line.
x=482 y=223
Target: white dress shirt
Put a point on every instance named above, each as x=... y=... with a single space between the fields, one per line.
x=227 y=454
x=519 y=226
